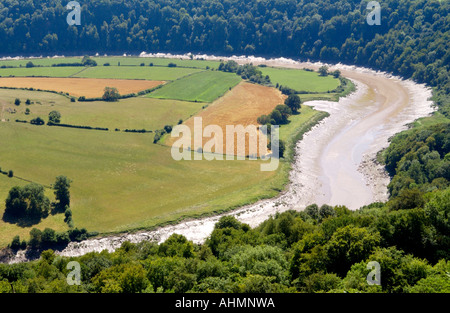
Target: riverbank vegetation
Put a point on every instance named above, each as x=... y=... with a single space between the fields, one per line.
x=322 y=249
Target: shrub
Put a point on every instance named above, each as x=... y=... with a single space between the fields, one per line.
x=37 y=121
x=54 y=117
x=17 y=101
x=168 y=129
x=28 y=102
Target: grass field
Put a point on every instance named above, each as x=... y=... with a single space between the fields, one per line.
x=123 y=181
x=202 y=87
x=114 y=61
x=41 y=71
x=131 y=113
x=136 y=61
x=300 y=80
x=88 y=87
x=137 y=72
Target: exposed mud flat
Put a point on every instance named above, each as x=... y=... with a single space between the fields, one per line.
x=334 y=163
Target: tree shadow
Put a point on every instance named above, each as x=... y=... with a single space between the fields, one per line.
x=21 y=221
x=56 y=209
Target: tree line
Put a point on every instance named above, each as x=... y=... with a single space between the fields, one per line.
x=320 y=249
x=334 y=31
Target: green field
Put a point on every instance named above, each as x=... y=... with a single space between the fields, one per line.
x=132 y=113
x=137 y=72
x=123 y=181
x=136 y=61
x=41 y=71
x=203 y=87
x=301 y=80
x=114 y=61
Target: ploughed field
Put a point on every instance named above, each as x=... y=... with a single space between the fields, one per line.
x=123 y=180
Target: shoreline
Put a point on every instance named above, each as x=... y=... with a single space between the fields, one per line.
x=300 y=181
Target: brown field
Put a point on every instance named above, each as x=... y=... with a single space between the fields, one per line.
x=241 y=106
x=77 y=87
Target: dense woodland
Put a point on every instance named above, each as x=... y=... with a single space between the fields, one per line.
x=322 y=249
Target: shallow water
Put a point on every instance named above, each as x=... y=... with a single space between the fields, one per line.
x=334 y=162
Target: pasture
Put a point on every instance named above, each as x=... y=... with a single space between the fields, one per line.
x=114 y=61
x=137 y=72
x=41 y=71
x=300 y=80
x=131 y=113
x=200 y=87
x=123 y=181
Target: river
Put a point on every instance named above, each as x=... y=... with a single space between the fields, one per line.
x=334 y=162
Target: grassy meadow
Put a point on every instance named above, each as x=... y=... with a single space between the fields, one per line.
x=200 y=87
x=133 y=72
x=301 y=80
x=68 y=71
x=114 y=61
x=131 y=113
x=123 y=181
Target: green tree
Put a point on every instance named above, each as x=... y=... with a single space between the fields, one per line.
x=62 y=193
x=323 y=70
x=293 y=102
x=349 y=245
x=17 y=101
x=54 y=117
x=111 y=94
x=35 y=238
x=28 y=201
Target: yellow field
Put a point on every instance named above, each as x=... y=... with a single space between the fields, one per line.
x=240 y=106
x=77 y=87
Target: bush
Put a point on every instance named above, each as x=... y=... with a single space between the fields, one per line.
x=28 y=102
x=168 y=129
x=15 y=243
x=17 y=102
x=37 y=121
x=172 y=65
x=54 y=117
x=10 y=173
